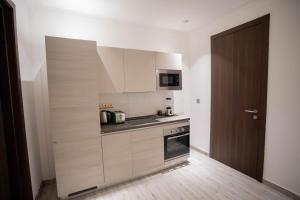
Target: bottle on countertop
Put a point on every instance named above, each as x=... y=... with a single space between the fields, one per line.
x=169 y=111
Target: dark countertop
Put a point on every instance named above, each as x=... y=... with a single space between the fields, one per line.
x=109 y=128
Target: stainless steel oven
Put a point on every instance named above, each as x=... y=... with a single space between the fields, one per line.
x=169 y=79
x=176 y=142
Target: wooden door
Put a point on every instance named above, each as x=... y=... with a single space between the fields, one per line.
x=239 y=96
x=14 y=163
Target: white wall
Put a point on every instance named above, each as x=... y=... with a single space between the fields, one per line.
x=25 y=61
x=31 y=135
x=24 y=39
x=282 y=158
x=105 y=32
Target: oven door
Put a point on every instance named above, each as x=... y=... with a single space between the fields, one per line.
x=176 y=145
x=169 y=79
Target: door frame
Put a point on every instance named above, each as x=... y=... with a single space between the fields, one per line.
x=261 y=135
x=16 y=182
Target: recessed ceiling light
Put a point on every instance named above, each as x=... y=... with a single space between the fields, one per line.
x=185 y=21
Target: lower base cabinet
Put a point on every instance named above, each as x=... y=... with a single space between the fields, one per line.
x=117 y=157
x=147 y=150
x=133 y=153
x=78 y=166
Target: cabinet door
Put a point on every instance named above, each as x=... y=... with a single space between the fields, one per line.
x=74 y=123
x=73 y=88
x=72 y=72
x=78 y=166
x=139 y=71
x=147 y=150
x=168 y=61
x=117 y=157
x=111 y=70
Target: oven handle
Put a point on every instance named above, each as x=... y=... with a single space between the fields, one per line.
x=178 y=136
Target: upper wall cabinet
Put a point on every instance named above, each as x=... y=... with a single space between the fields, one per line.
x=168 y=61
x=111 y=70
x=139 y=71
x=128 y=70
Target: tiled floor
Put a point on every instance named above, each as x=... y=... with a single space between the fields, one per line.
x=202 y=178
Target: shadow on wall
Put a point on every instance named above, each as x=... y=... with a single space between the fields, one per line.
x=200 y=113
x=32 y=134
x=42 y=119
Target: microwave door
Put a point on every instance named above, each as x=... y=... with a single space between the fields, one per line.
x=165 y=80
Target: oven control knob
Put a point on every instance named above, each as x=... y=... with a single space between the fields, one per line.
x=182 y=129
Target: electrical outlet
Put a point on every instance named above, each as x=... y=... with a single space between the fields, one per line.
x=105 y=105
x=198 y=101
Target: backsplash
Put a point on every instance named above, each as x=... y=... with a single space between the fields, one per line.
x=138 y=104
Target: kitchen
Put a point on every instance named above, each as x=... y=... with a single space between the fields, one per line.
x=154 y=100
x=127 y=145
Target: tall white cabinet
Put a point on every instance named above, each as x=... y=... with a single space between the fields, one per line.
x=74 y=116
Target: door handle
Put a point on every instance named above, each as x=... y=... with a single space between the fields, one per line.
x=252 y=111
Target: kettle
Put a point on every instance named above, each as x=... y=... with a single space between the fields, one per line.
x=105 y=116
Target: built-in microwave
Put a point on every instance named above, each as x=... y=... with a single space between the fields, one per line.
x=169 y=79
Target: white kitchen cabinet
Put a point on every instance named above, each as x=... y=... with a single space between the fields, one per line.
x=74 y=115
x=132 y=153
x=147 y=150
x=111 y=70
x=168 y=61
x=74 y=123
x=73 y=88
x=117 y=157
x=140 y=73
x=72 y=72
x=78 y=166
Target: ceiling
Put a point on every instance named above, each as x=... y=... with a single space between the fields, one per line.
x=169 y=14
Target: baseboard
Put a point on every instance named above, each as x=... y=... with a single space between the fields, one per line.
x=281 y=190
x=199 y=150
